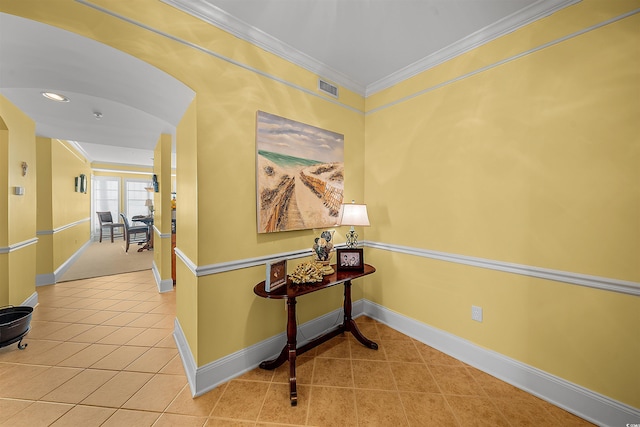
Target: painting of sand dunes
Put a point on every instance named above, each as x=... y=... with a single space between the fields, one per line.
x=299 y=174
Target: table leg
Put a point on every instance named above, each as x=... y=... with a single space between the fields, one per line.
x=149 y=244
x=273 y=364
x=289 y=351
x=349 y=324
x=292 y=330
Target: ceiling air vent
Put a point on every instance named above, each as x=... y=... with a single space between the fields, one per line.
x=328 y=88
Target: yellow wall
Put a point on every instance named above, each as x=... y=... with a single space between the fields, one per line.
x=534 y=162
x=187 y=225
x=162 y=207
x=4 y=181
x=63 y=214
x=18 y=213
x=69 y=207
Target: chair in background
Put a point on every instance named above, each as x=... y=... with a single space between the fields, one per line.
x=134 y=234
x=106 y=222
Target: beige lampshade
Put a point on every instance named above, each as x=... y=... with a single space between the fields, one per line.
x=148 y=202
x=353 y=214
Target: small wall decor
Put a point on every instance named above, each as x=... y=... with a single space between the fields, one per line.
x=299 y=175
x=25 y=166
x=276 y=275
x=350 y=259
x=81 y=183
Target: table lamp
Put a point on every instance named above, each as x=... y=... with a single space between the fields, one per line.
x=149 y=203
x=353 y=214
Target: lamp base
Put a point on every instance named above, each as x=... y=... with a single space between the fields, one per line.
x=352 y=238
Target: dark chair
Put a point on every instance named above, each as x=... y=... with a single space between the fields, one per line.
x=136 y=234
x=106 y=221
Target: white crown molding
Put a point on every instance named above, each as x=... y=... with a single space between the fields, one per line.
x=123 y=171
x=503 y=61
x=510 y=23
x=215 y=16
x=207 y=12
x=76 y=145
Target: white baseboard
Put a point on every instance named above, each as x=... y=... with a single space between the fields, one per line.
x=205 y=378
x=32 y=301
x=45 y=279
x=578 y=400
x=163 y=285
x=52 y=278
x=188 y=362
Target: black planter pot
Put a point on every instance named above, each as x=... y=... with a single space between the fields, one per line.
x=14 y=325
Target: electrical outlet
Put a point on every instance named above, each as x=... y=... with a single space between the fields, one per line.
x=476 y=313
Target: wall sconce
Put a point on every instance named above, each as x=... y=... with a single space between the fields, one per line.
x=25 y=166
x=353 y=214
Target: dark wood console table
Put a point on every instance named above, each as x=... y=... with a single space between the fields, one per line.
x=290 y=292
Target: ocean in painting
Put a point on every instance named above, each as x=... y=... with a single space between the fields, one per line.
x=287 y=161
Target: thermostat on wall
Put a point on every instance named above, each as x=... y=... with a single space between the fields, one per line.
x=18 y=191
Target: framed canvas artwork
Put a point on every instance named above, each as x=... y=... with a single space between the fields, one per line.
x=299 y=175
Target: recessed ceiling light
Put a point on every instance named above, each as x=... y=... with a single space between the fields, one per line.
x=55 y=96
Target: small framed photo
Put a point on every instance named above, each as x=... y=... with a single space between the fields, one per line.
x=350 y=259
x=276 y=275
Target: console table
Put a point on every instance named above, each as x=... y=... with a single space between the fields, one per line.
x=290 y=292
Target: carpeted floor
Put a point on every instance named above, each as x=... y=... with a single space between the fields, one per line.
x=106 y=259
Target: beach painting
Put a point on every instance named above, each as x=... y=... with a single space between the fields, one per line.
x=299 y=175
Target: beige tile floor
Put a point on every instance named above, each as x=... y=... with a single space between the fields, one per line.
x=101 y=353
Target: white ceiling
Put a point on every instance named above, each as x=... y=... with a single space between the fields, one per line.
x=138 y=102
x=367 y=45
x=363 y=45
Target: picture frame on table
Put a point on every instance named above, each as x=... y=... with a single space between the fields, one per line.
x=349 y=259
x=276 y=275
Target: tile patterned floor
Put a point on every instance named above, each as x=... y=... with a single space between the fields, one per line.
x=101 y=353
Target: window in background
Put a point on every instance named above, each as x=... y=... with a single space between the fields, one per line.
x=136 y=195
x=106 y=197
